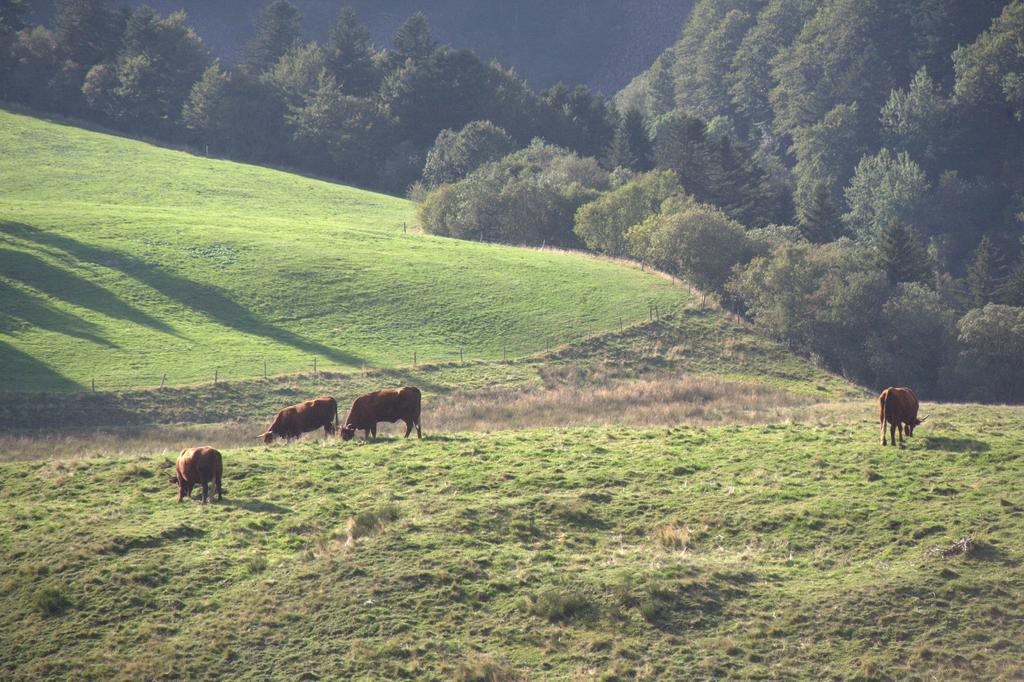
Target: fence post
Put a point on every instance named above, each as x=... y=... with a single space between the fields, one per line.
x=163 y=379
x=460 y=356
x=314 y=365
x=216 y=375
x=414 y=358
x=264 y=368
x=504 y=353
x=94 y=384
x=620 y=325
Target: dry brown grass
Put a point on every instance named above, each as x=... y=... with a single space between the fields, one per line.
x=571 y=395
x=639 y=402
x=135 y=440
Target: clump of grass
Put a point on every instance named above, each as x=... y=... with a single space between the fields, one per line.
x=370 y=522
x=255 y=564
x=482 y=668
x=672 y=536
x=134 y=471
x=50 y=601
x=559 y=605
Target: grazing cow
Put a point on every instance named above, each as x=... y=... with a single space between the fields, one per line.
x=292 y=422
x=388 y=405
x=198 y=465
x=898 y=406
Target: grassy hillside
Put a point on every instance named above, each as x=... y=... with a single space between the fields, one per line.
x=796 y=551
x=123 y=262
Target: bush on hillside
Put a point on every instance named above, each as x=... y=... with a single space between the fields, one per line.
x=529 y=197
x=602 y=224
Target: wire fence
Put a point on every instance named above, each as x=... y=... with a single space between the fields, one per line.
x=317 y=369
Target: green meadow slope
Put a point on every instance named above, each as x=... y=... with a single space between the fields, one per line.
x=780 y=551
x=124 y=262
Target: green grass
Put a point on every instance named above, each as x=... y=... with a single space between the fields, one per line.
x=124 y=262
x=774 y=551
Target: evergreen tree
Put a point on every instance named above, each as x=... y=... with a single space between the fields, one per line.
x=350 y=55
x=679 y=144
x=278 y=27
x=87 y=30
x=1011 y=291
x=631 y=147
x=819 y=219
x=901 y=255
x=413 y=39
x=162 y=59
x=982 y=273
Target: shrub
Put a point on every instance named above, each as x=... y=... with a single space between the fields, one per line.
x=558 y=605
x=529 y=197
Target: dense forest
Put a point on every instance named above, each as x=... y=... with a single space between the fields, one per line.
x=601 y=43
x=847 y=174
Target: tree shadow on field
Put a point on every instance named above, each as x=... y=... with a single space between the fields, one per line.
x=955 y=444
x=20 y=368
x=206 y=299
x=68 y=286
x=18 y=305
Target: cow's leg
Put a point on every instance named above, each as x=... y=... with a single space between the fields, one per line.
x=408 y=427
x=373 y=431
x=892 y=433
x=181 y=489
x=206 y=491
x=901 y=433
x=883 y=431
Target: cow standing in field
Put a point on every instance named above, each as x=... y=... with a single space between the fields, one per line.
x=198 y=465
x=898 y=406
x=388 y=405
x=292 y=422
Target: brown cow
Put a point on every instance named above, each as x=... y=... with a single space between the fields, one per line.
x=198 y=465
x=898 y=406
x=292 y=422
x=388 y=405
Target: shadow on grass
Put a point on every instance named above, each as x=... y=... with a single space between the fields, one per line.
x=70 y=287
x=19 y=367
x=29 y=309
x=955 y=444
x=200 y=297
x=254 y=506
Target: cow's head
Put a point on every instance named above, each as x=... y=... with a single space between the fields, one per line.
x=347 y=432
x=267 y=437
x=910 y=426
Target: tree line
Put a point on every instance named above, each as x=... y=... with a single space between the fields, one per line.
x=344 y=109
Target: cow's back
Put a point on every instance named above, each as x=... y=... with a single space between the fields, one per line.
x=898 y=404
x=199 y=465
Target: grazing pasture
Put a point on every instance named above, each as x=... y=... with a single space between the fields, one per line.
x=124 y=262
x=778 y=550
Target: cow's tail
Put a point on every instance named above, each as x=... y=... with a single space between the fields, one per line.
x=337 y=419
x=881 y=411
